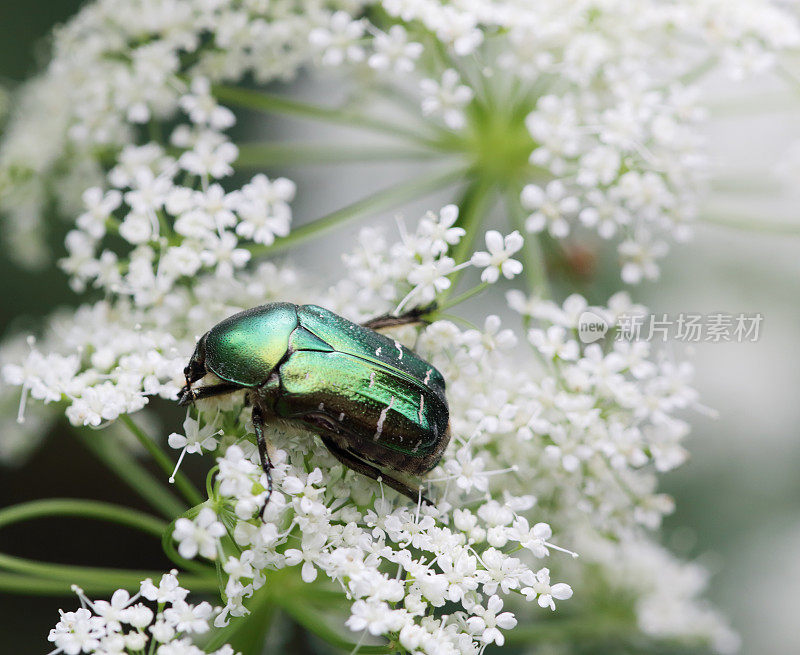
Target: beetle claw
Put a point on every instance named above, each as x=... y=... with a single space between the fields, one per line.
x=185 y=396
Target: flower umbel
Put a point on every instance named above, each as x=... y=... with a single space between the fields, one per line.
x=581 y=118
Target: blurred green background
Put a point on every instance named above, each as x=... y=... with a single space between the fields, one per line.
x=738 y=498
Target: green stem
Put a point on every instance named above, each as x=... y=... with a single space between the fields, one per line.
x=260 y=101
x=473 y=206
x=460 y=298
x=533 y=259
x=87 y=509
x=30 y=586
x=312 y=622
x=383 y=199
x=127 y=468
x=182 y=482
x=85 y=576
x=257 y=155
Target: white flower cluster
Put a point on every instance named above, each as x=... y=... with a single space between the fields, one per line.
x=589 y=106
x=342 y=525
x=667 y=591
x=600 y=120
x=126 y=624
x=570 y=438
x=564 y=434
x=174 y=230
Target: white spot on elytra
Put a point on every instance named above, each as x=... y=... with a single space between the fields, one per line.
x=399 y=349
x=421 y=405
x=371 y=379
x=382 y=419
x=341 y=417
x=378 y=352
x=321 y=406
x=427 y=376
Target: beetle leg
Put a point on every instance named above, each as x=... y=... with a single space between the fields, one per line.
x=359 y=466
x=188 y=395
x=263 y=453
x=409 y=318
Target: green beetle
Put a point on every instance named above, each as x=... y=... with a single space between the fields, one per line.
x=371 y=400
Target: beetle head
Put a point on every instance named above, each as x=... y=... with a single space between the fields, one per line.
x=195 y=369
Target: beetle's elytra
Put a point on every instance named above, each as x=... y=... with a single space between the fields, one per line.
x=373 y=402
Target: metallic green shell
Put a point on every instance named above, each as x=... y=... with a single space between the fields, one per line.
x=246 y=347
x=372 y=395
x=378 y=415
x=347 y=337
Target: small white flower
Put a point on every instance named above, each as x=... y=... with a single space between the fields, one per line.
x=113 y=612
x=430 y=277
x=394 y=51
x=203 y=108
x=439 y=230
x=551 y=208
x=639 y=257
x=534 y=539
x=167 y=591
x=498 y=258
x=222 y=253
x=199 y=536
x=210 y=157
x=488 y=621
x=467 y=470
x=195 y=439
x=99 y=207
x=544 y=592
x=77 y=632
x=553 y=343
x=263 y=209
x=446 y=99
x=376 y=617
x=339 y=41
x=189 y=618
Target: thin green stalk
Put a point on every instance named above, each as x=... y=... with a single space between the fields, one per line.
x=257 y=155
x=473 y=207
x=127 y=468
x=84 y=576
x=533 y=259
x=183 y=484
x=312 y=622
x=461 y=298
x=381 y=200
x=30 y=586
x=267 y=102
x=88 y=509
